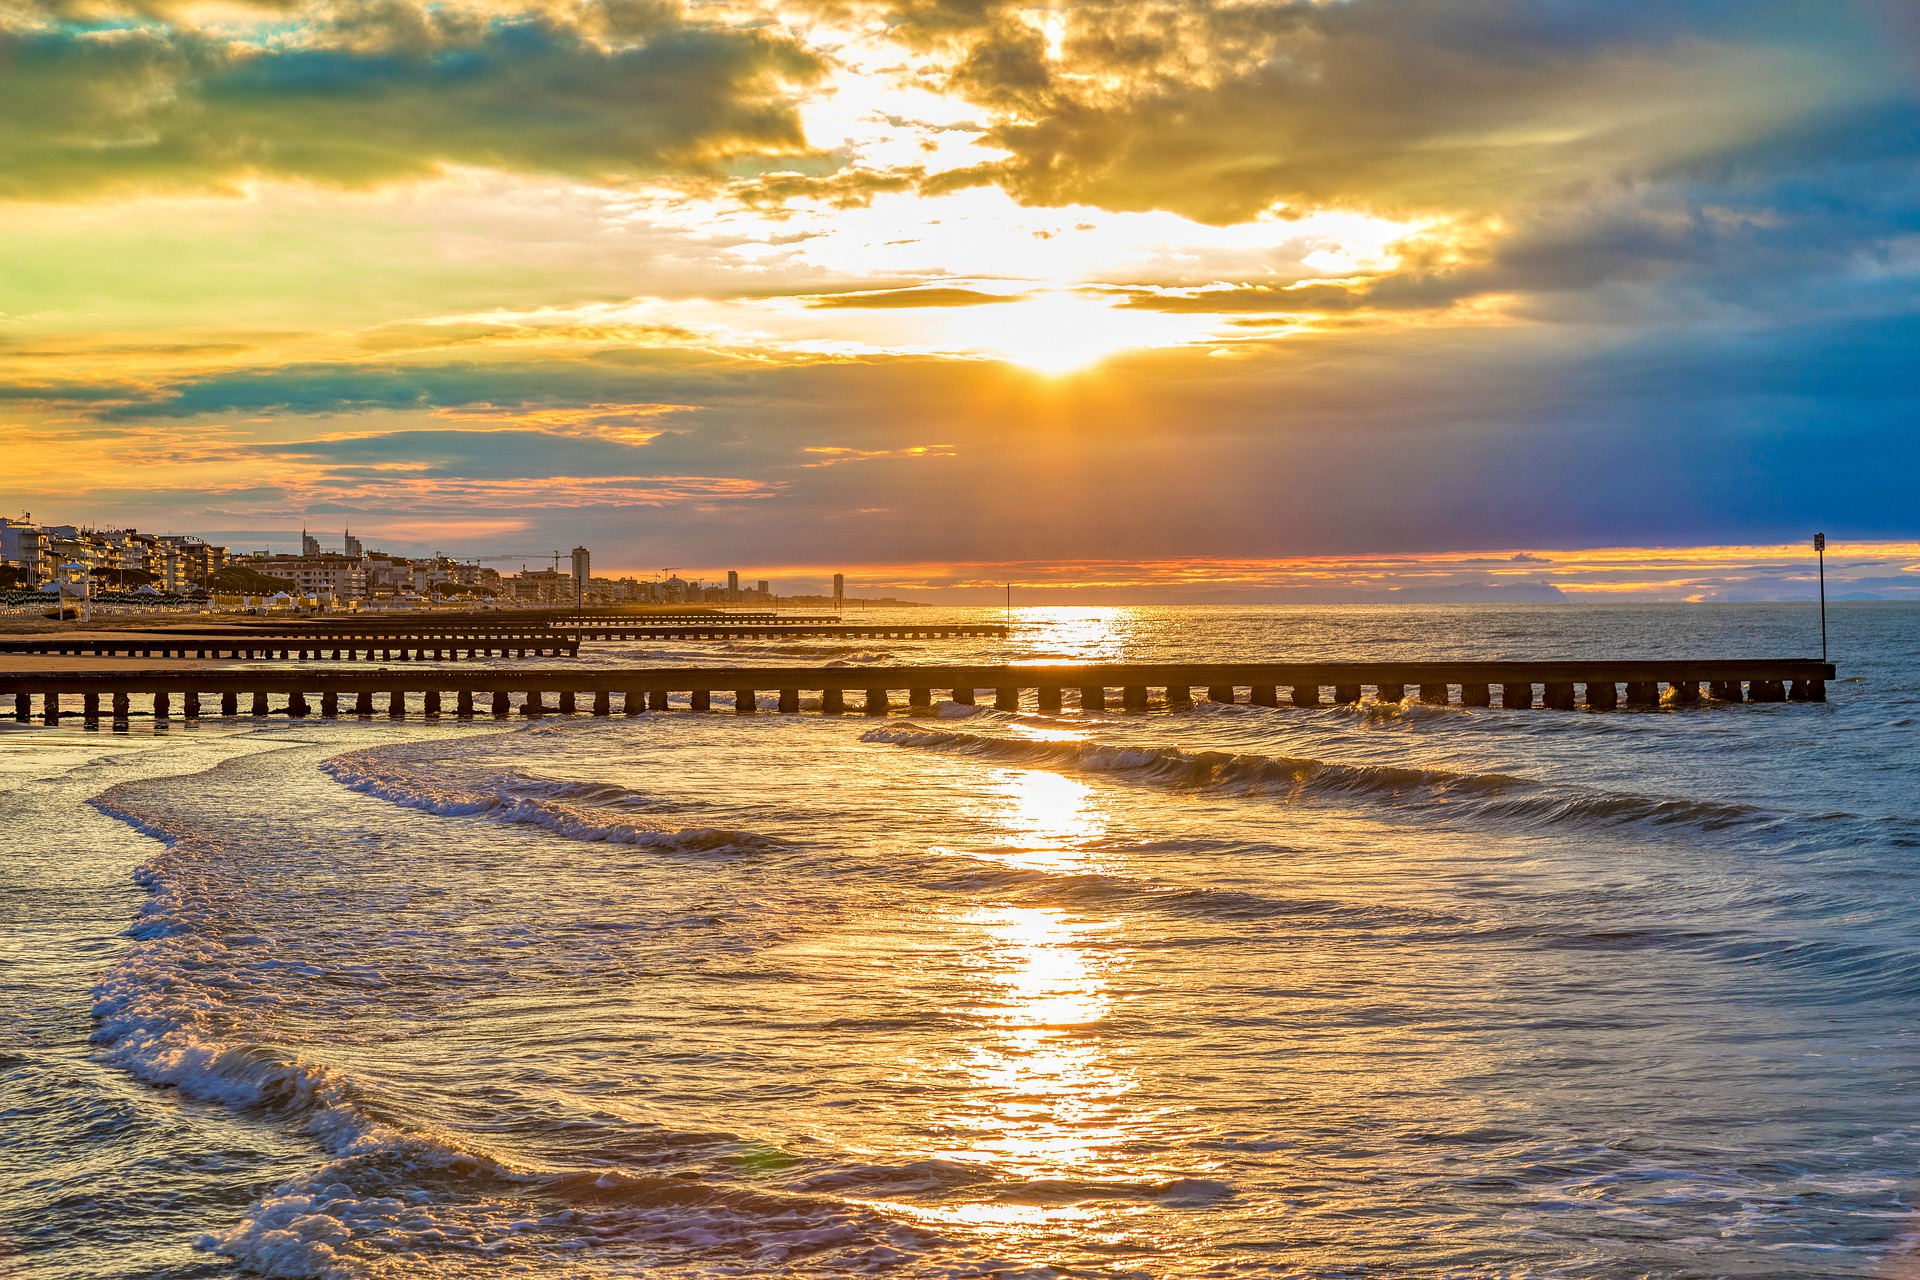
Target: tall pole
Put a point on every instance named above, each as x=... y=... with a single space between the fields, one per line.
x=1820 y=549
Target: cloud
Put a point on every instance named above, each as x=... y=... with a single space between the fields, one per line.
x=834 y=455
x=885 y=299
x=1222 y=110
x=371 y=93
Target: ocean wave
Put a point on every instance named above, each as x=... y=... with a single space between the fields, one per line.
x=1497 y=796
x=589 y=811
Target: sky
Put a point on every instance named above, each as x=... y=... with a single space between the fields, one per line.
x=1154 y=299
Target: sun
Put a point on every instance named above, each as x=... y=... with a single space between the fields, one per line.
x=1060 y=333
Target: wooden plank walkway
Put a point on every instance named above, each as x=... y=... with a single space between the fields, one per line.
x=1595 y=684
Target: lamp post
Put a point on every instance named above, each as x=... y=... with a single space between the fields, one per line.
x=1820 y=549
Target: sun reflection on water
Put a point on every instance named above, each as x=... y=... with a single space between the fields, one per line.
x=1044 y=1101
x=1078 y=635
x=1050 y=817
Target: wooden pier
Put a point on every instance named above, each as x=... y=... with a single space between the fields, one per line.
x=475 y=691
x=784 y=629
x=346 y=644
x=356 y=641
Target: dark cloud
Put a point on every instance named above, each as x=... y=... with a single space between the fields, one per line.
x=1220 y=110
x=296 y=390
x=454 y=452
x=381 y=92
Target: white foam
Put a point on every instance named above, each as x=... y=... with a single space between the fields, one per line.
x=552 y=805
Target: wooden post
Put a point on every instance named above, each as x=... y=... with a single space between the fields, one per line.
x=502 y=704
x=50 y=708
x=190 y=705
x=1726 y=690
x=700 y=700
x=260 y=707
x=430 y=703
x=23 y=707
x=1179 y=696
x=1602 y=695
x=566 y=702
x=1306 y=695
x=1643 y=693
x=1809 y=691
x=531 y=705
x=789 y=701
x=876 y=702
x=1219 y=693
x=1559 y=697
x=1766 y=691
x=330 y=705
x=745 y=702
x=463 y=704
x=1093 y=698
x=1345 y=695
x=1264 y=695
x=396 y=705
x=833 y=701
x=1685 y=692
x=964 y=696
x=656 y=699
x=1481 y=695
x=920 y=699
x=1518 y=695
x=1389 y=692
x=161 y=708
x=1133 y=697
x=297 y=705
x=229 y=704
x=90 y=706
x=1434 y=695
x=122 y=707
x=603 y=702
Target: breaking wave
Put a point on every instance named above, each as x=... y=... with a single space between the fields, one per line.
x=1492 y=795
x=603 y=812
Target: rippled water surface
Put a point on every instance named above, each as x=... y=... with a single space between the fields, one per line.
x=1363 y=991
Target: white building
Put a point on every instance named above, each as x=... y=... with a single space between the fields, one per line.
x=26 y=545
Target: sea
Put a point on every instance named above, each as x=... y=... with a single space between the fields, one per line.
x=1356 y=991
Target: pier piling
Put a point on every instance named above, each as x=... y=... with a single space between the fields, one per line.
x=1648 y=685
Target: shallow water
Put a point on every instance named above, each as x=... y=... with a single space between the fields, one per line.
x=1374 y=991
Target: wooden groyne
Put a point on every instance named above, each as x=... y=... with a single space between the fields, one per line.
x=343 y=642
x=786 y=628
x=1595 y=685
x=340 y=645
